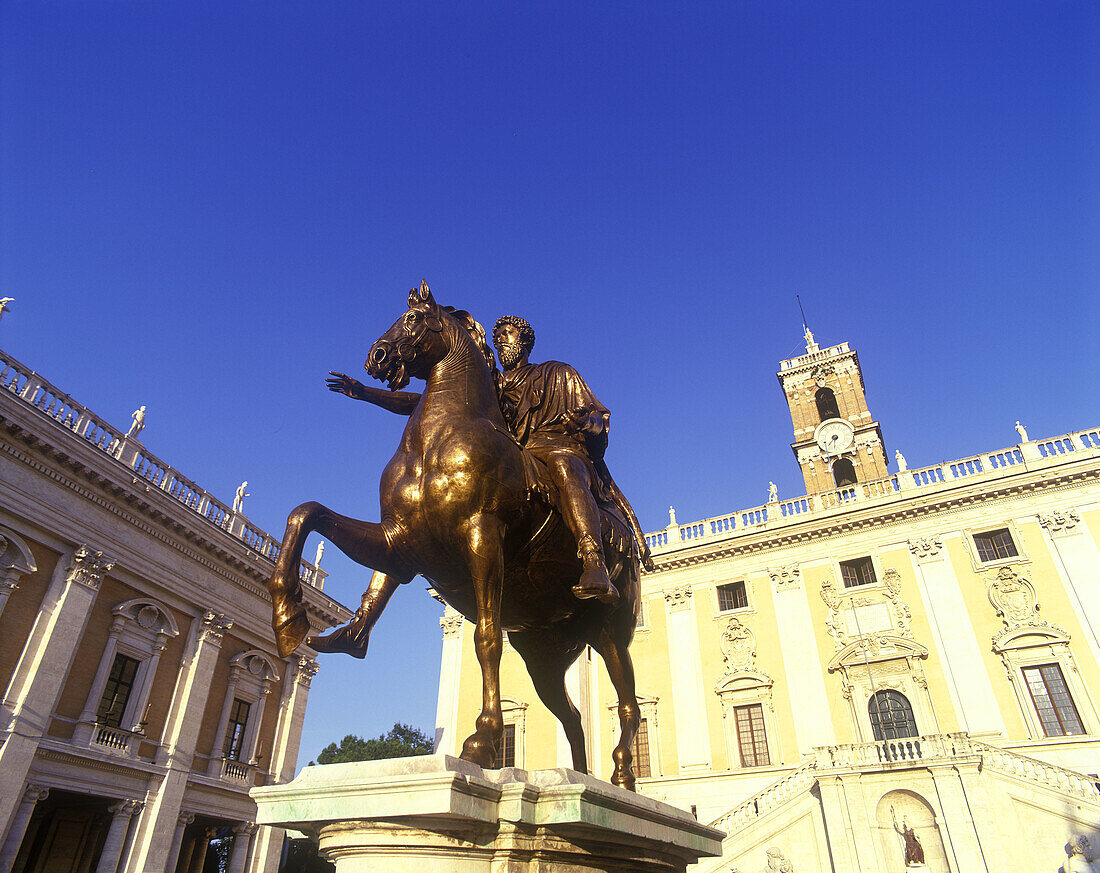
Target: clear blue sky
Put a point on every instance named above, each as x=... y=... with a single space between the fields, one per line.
x=206 y=206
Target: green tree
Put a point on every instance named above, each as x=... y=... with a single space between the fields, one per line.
x=402 y=741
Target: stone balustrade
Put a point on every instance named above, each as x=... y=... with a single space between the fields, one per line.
x=58 y=406
x=923 y=480
x=111 y=739
x=905 y=753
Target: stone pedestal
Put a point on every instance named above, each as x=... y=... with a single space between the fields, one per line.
x=438 y=813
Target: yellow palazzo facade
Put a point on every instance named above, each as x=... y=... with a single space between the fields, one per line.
x=910 y=651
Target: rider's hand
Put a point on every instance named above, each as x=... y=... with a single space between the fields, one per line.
x=344 y=384
x=586 y=421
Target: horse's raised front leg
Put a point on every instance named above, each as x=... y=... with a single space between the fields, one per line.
x=362 y=541
x=485 y=559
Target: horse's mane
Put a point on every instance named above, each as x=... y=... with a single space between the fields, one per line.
x=477 y=334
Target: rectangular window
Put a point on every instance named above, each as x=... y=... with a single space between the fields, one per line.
x=117 y=692
x=506 y=756
x=234 y=734
x=751 y=738
x=732 y=596
x=640 y=621
x=1052 y=700
x=994 y=545
x=641 y=751
x=858 y=572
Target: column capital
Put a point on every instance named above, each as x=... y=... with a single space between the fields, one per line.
x=35 y=793
x=212 y=627
x=452 y=625
x=185 y=818
x=126 y=807
x=244 y=828
x=306 y=669
x=1060 y=521
x=88 y=567
x=784 y=578
x=926 y=549
x=678 y=598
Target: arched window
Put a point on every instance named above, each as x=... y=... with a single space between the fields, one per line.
x=826 y=404
x=891 y=716
x=844 y=472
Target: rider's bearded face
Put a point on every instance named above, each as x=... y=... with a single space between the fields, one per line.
x=509 y=345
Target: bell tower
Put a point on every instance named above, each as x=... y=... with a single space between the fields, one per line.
x=837 y=443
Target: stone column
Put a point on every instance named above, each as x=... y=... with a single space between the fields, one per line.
x=182 y=821
x=450 y=674
x=968 y=681
x=284 y=755
x=198 y=856
x=177 y=749
x=688 y=700
x=43 y=667
x=813 y=725
x=242 y=837
x=31 y=795
x=116 y=835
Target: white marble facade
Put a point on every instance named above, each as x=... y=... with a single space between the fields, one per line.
x=137 y=652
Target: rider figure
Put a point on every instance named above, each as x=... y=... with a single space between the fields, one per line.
x=555 y=416
x=553 y=413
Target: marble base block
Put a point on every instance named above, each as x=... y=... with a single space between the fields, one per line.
x=438 y=813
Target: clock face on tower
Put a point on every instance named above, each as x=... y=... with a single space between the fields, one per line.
x=834 y=436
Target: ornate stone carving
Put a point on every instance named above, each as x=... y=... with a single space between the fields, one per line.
x=853 y=614
x=777 y=863
x=1059 y=521
x=1013 y=596
x=785 y=577
x=125 y=808
x=307 y=669
x=185 y=818
x=452 y=625
x=1079 y=856
x=738 y=647
x=821 y=373
x=88 y=567
x=212 y=626
x=35 y=793
x=926 y=548
x=244 y=828
x=678 y=598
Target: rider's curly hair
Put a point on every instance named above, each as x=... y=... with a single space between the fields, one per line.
x=526 y=332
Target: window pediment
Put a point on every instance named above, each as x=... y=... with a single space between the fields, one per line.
x=876 y=648
x=1029 y=637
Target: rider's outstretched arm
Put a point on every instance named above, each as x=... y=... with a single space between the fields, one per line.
x=401 y=402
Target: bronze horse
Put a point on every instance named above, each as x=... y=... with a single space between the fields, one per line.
x=455 y=509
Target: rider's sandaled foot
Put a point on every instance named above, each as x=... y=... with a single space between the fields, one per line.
x=594 y=583
x=351 y=639
x=291 y=633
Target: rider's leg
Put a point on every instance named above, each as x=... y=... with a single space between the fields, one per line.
x=581 y=515
x=353 y=637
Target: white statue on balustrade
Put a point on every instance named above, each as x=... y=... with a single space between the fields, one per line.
x=1022 y=431
x=903 y=465
x=1079 y=857
x=4 y=301
x=138 y=424
x=773 y=493
x=238 y=498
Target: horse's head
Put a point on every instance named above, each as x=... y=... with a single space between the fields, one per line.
x=412 y=345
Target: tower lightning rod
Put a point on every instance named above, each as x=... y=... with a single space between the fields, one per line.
x=800 y=309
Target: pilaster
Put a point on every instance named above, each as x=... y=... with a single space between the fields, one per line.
x=1076 y=557
x=43 y=667
x=688 y=700
x=157 y=825
x=450 y=675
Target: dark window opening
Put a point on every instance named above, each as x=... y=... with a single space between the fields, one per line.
x=116 y=694
x=506 y=755
x=995 y=544
x=861 y=571
x=732 y=596
x=234 y=734
x=844 y=472
x=640 y=748
x=891 y=716
x=826 y=404
x=1052 y=700
x=752 y=741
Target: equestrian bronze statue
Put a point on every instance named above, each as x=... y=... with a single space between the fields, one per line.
x=499 y=496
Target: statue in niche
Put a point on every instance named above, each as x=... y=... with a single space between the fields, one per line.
x=1079 y=857
x=910 y=843
x=499 y=496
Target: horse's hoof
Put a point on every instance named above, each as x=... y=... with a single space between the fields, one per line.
x=291 y=633
x=623 y=780
x=476 y=751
